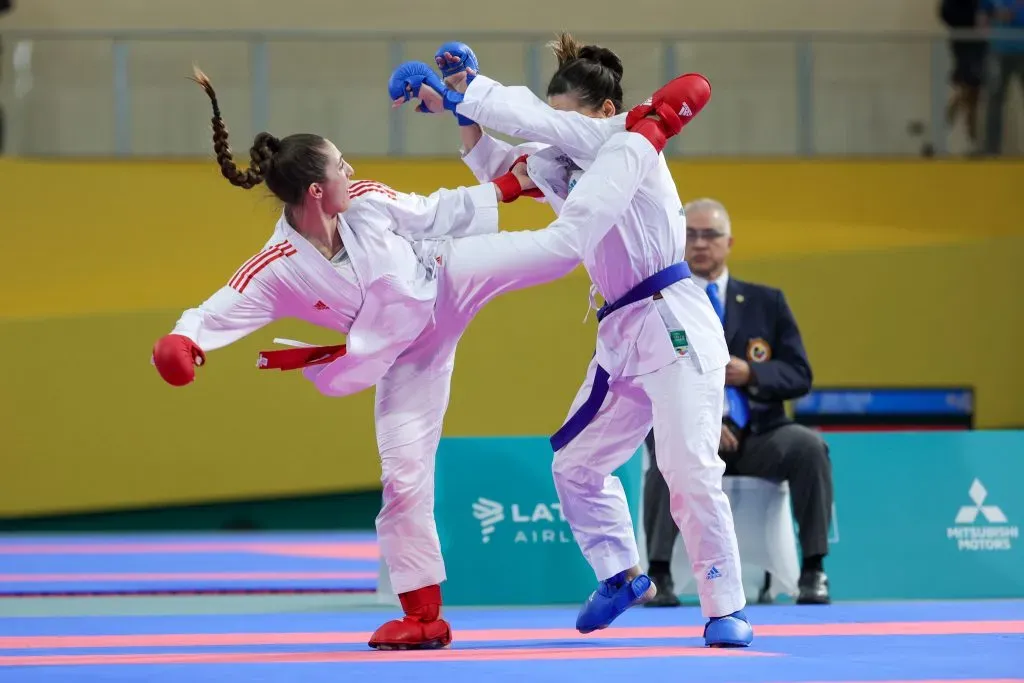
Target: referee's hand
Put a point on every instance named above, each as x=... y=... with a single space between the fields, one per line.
x=729 y=442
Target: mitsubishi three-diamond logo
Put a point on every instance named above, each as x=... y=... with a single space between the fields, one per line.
x=488 y=513
x=994 y=534
x=969 y=513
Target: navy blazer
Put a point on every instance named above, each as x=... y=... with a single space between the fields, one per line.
x=760 y=328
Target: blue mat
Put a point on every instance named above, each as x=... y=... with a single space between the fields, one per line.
x=981 y=642
x=189 y=563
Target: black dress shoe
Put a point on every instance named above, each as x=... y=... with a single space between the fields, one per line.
x=666 y=596
x=764 y=595
x=813 y=589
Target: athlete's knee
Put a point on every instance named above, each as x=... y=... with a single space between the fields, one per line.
x=408 y=486
x=571 y=473
x=693 y=457
x=561 y=470
x=690 y=476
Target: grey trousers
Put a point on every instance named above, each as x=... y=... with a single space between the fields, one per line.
x=791 y=453
x=1001 y=68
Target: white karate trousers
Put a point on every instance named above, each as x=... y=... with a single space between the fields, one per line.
x=412 y=397
x=685 y=406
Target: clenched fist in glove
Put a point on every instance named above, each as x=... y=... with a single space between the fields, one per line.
x=416 y=79
x=454 y=58
x=176 y=357
x=674 y=105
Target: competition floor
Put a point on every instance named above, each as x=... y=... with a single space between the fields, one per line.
x=79 y=564
x=262 y=635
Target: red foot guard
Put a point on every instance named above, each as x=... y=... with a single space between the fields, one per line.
x=422 y=627
x=675 y=105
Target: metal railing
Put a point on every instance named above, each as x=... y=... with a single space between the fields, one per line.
x=94 y=93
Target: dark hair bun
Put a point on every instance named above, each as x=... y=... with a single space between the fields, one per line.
x=267 y=140
x=604 y=57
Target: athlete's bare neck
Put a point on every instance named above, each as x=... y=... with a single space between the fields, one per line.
x=319 y=229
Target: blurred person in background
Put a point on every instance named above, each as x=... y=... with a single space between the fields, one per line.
x=5 y=7
x=1006 y=62
x=968 y=64
x=768 y=366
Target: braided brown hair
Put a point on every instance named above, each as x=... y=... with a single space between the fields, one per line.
x=288 y=166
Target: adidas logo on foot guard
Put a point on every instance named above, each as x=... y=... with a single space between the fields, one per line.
x=685 y=111
x=713 y=573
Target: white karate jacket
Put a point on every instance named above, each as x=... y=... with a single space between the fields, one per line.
x=650 y=236
x=391 y=238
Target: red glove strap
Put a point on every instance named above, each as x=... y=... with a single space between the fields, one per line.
x=509 y=186
x=533 y=191
x=653 y=130
x=520 y=160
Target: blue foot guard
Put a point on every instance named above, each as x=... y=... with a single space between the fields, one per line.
x=732 y=630
x=612 y=597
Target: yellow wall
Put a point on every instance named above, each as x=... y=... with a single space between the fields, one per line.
x=899 y=273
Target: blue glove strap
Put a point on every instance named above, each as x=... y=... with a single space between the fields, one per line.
x=452 y=99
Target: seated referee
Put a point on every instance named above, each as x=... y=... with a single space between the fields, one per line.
x=769 y=366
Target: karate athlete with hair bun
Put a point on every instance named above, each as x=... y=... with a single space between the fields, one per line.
x=401 y=276
x=661 y=351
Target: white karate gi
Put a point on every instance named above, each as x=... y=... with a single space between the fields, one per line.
x=680 y=391
x=425 y=266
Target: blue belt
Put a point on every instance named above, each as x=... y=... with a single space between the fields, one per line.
x=599 y=389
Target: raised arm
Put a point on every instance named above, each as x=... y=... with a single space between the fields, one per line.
x=460 y=212
x=515 y=110
x=457 y=213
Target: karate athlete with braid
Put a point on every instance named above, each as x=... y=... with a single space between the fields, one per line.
x=402 y=276
x=661 y=351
